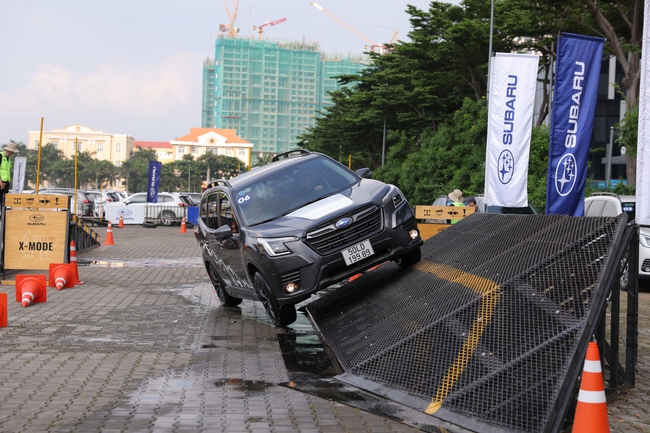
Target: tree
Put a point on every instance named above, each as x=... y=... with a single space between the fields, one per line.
x=413 y=89
x=134 y=170
x=50 y=156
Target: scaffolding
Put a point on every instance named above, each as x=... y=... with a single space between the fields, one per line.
x=270 y=91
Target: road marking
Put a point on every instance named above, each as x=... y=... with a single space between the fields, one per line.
x=490 y=293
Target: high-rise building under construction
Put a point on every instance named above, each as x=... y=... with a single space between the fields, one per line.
x=270 y=92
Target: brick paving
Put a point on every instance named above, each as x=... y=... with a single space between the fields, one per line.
x=143 y=346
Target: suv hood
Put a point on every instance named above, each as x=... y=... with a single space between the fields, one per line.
x=322 y=210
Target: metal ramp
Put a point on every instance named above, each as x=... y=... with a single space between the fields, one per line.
x=489 y=331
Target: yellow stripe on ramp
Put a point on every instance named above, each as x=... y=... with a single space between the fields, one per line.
x=490 y=293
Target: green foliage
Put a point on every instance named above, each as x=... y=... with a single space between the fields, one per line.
x=453 y=157
x=628 y=131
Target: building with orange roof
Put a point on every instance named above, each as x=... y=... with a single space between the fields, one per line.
x=164 y=149
x=212 y=140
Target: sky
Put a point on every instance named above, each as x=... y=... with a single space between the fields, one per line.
x=135 y=66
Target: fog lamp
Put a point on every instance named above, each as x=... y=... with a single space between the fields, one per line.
x=291 y=287
x=414 y=234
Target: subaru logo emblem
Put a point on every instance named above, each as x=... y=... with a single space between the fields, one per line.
x=565 y=174
x=506 y=166
x=343 y=223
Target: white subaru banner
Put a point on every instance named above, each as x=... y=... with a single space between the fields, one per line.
x=642 y=216
x=513 y=80
x=18 y=177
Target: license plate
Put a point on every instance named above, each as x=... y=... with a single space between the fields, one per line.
x=357 y=252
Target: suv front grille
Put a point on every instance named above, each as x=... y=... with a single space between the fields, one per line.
x=327 y=238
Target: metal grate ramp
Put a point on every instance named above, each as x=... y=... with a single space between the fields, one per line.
x=485 y=332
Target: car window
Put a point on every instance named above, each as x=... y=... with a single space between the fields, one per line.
x=208 y=211
x=226 y=215
x=138 y=199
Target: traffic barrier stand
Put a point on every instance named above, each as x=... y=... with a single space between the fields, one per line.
x=121 y=223
x=3 y=310
x=109 y=235
x=183 y=226
x=591 y=409
x=30 y=288
x=62 y=275
x=73 y=261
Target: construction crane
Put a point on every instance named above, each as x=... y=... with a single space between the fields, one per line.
x=371 y=44
x=268 y=23
x=394 y=38
x=230 y=27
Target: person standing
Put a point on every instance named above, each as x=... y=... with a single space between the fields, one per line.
x=5 y=169
x=456 y=197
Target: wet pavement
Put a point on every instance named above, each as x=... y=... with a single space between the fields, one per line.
x=144 y=346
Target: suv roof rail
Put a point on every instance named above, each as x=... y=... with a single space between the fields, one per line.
x=611 y=194
x=300 y=152
x=216 y=182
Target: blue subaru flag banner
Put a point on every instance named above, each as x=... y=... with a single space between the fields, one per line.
x=572 y=122
x=155 y=168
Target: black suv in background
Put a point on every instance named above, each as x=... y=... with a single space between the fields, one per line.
x=284 y=231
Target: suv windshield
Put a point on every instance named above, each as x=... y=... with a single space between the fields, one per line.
x=292 y=188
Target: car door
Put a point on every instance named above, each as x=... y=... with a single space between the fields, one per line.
x=216 y=213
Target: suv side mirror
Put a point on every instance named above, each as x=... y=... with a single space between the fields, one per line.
x=364 y=173
x=223 y=232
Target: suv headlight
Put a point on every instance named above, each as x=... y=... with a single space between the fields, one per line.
x=276 y=246
x=393 y=194
x=645 y=240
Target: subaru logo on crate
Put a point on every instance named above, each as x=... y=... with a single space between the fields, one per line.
x=343 y=223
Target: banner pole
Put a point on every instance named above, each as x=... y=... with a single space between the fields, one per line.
x=38 y=160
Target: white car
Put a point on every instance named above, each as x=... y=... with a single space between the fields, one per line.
x=100 y=198
x=168 y=210
x=610 y=204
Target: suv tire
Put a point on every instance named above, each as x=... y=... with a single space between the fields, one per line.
x=219 y=287
x=167 y=218
x=280 y=315
x=409 y=259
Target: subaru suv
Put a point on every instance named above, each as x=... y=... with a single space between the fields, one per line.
x=284 y=231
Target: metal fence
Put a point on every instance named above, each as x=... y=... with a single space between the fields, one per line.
x=489 y=331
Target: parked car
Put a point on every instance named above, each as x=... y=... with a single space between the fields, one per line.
x=100 y=198
x=282 y=232
x=610 y=204
x=168 y=210
x=82 y=206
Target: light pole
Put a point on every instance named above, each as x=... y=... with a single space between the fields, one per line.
x=487 y=91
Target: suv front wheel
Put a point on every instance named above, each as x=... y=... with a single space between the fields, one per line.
x=280 y=315
x=219 y=287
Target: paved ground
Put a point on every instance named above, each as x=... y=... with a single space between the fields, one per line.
x=143 y=346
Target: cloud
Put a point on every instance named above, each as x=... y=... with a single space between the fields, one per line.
x=144 y=90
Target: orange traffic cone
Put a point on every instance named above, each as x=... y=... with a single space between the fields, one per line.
x=3 y=310
x=183 y=226
x=61 y=275
x=109 y=235
x=591 y=410
x=73 y=261
x=121 y=224
x=30 y=288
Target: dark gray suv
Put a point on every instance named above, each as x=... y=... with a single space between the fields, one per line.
x=281 y=232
